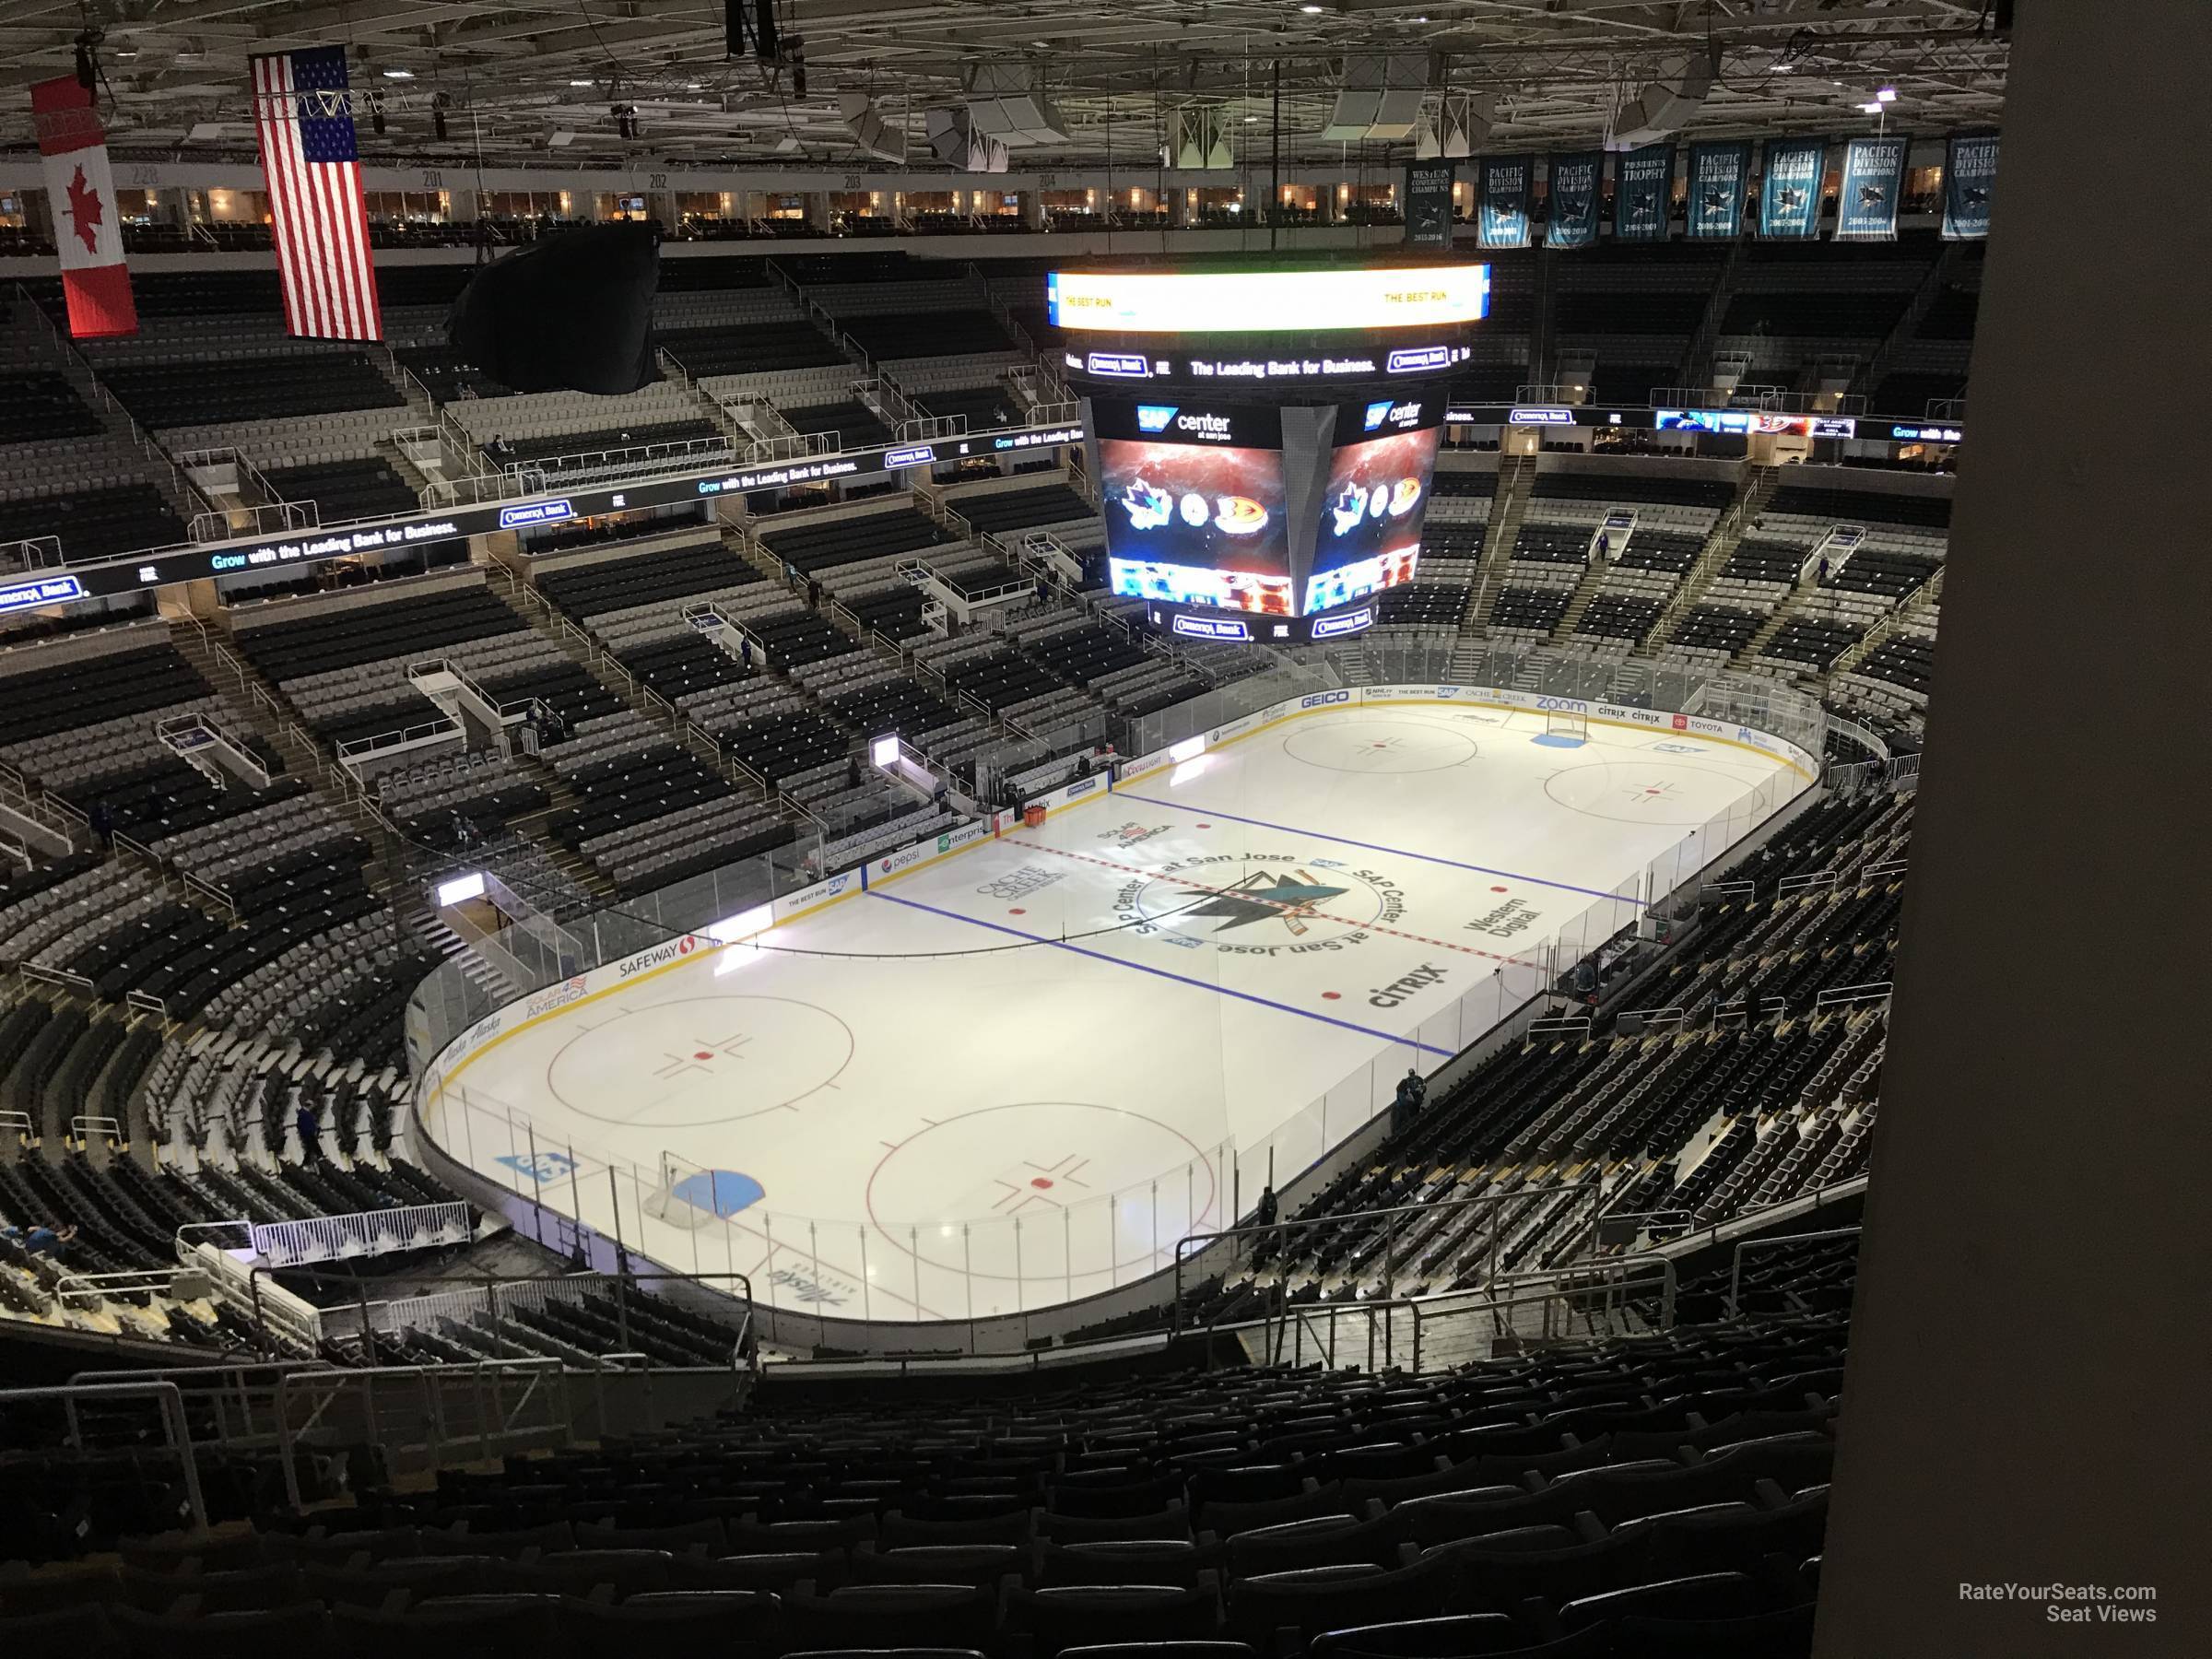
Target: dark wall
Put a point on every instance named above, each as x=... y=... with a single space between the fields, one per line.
x=2026 y=1397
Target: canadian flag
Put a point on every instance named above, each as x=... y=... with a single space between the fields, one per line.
x=81 y=192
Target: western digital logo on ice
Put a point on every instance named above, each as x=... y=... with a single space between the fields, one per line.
x=1154 y=418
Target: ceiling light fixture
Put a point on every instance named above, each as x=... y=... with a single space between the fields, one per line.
x=1312 y=10
x=399 y=75
x=1870 y=108
x=1887 y=95
x=580 y=83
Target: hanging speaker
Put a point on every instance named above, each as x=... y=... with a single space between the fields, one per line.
x=876 y=135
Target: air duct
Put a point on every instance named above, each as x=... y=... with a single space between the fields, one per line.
x=876 y=136
x=1666 y=105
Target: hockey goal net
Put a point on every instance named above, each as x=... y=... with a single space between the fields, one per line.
x=1558 y=723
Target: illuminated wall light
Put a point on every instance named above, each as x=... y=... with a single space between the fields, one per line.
x=461 y=890
x=1870 y=109
x=884 y=751
x=1190 y=749
x=743 y=925
x=1887 y=95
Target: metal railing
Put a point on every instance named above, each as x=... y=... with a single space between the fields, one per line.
x=34 y=552
x=176 y=1433
x=1776 y=1241
x=370 y=1232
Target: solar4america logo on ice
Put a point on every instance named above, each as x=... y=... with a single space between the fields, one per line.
x=1255 y=904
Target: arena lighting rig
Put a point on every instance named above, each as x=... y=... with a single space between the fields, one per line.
x=1264 y=435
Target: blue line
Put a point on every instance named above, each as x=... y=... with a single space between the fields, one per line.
x=1100 y=956
x=1344 y=841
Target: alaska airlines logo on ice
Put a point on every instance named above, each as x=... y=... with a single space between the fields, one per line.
x=1154 y=418
x=1249 y=905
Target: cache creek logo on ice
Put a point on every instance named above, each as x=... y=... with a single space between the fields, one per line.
x=1260 y=904
x=657 y=954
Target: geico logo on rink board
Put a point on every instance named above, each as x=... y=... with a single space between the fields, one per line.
x=658 y=955
x=1406 y=986
x=1020 y=882
x=1321 y=698
x=1510 y=918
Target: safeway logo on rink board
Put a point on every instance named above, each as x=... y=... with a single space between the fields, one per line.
x=681 y=946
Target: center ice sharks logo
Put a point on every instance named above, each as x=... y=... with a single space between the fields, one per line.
x=1292 y=900
x=1255 y=904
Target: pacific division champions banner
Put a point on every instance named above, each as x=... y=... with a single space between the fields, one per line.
x=1573 y=194
x=1719 y=174
x=1644 y=187
x=1874 y=177
x=1969 y=169
x=1504 y=221
x=1789 y=195
x=1429 y=204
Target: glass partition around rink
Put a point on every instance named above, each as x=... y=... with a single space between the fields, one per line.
x=1204 y=1114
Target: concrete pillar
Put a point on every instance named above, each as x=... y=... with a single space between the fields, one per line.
x=2024 y=1402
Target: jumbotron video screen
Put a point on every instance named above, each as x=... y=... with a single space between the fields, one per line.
x=1380 y=471
x=1195 y=509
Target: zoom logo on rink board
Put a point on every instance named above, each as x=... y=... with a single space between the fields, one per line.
x=1259 y=904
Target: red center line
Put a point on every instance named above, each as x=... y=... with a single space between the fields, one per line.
x=1199 y=886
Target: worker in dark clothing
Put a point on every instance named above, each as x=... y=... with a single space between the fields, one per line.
x=852 y=772
x=1412 y=1091
x=310 y=1130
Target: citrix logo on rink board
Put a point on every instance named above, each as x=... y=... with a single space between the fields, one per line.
x=1406 y=986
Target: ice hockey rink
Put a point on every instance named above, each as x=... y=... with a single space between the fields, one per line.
x=1015 y=1074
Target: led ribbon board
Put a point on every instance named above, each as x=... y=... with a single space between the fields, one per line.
x=1174 y=302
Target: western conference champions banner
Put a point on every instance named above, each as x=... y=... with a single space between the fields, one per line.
x=1789 y=193
x=1643 y=188
x=1969 y=169
x=1572 y=187
x=1874 y=177
x=1505 y=185
x=1719 y=174
x=1429 y=204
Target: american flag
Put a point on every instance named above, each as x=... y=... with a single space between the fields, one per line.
x=303 y=113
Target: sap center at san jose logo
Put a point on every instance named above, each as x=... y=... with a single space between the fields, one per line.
x=1260 y=904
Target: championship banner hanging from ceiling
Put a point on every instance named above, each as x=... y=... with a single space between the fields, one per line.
x=1429 y=204
x=1571 y=188
x=1789 y=193
x=1970 y=170
x=1643 y=188
x=1505 y=186
x=87 y=228
x=1874 y=177
x=1719 y=175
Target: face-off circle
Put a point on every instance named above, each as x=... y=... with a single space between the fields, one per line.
x=1376 y=746
x=694 y=1062
x=1637 y=791
x=1259 y=904
x=1093 y=1187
